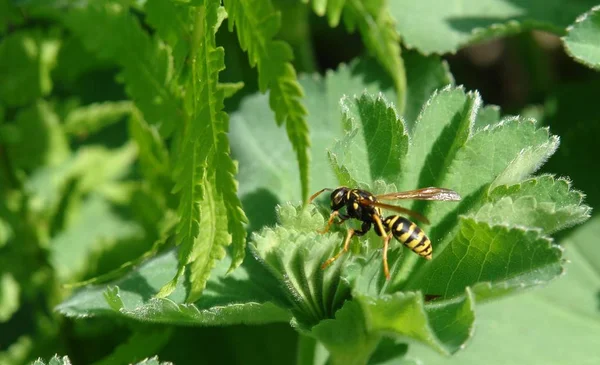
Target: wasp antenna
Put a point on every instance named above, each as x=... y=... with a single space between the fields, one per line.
x=317 y=194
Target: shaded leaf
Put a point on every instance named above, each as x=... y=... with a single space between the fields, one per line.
x=227 y=299
x=138 y=346
x=434 y=26
x=97 y=225
x=26 y=58
x=147 y=67
x=40 y=139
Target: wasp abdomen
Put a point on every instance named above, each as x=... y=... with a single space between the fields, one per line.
x=410 y=235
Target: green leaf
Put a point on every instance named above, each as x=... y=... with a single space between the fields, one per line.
x=138 y=346
x=489 y=115
x=91 y=118
x=502 y=154
x=55 y=360
x=152 y=152
x=294 y=252
x=254 y=136
x=378 y=31
x=205 y=173
x=434 y=26
x=581 y=39
x=248 y=295
x=543 y=202
x=40 y=139
x=153 y=361
x=381 y=133
x=230 y=88
x=510 y=257
x=9 y=296
x=9 y=15
x=445 y=327
x=257 y=23
x=94 y=168
x=174 y=22
x=346 y=337
x=544 y=320
x=97 y=225
x=441 y=130
x=423 y=76
x=18 y=352
x=147 y=68
x=26 y=58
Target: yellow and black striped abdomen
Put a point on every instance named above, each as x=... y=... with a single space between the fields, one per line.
x=410 y=235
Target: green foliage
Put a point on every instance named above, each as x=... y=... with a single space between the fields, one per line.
x=123 y=222
x=435 y=26
x=27 y=58
x=581 y=37
x=566 y=309
x=256 y=23
x=377 y=28
x=55 y=360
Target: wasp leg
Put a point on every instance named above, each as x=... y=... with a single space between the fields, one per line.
x=351 y=233
x=330 y=221
x=386 y=242
x=386 y=270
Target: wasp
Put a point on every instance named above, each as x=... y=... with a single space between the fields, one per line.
x=367 y=208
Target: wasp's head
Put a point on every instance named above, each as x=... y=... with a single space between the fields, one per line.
x=338 y=198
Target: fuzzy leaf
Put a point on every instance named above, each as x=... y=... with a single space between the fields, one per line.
x=55 y=360
x=227 y=299
x=534 y=327
x=543 y=202
x=26 y=58
x=377 y=149
x=153 y=361
x=442 y=128
x=256 y=23
x=512 y=258
x=294 y=252
x=582 y=36
x=435 y=26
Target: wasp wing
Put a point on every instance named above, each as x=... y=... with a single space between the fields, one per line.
x=430 y=193
x=397 y=209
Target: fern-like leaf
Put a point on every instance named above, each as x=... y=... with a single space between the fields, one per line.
x=205 y=165
x=257 y=22
x=147 y=66
x=378 y=32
